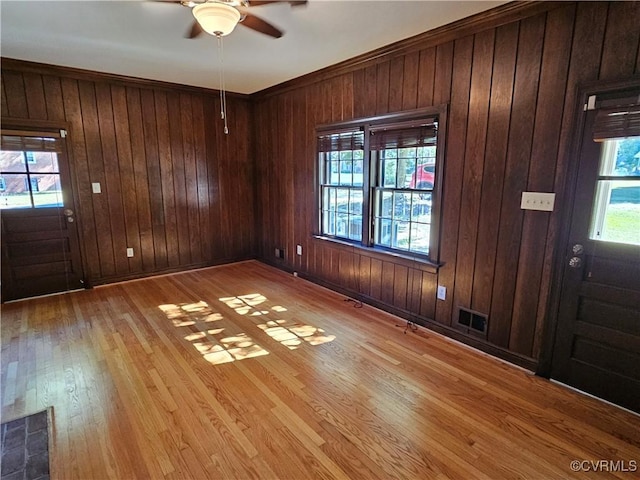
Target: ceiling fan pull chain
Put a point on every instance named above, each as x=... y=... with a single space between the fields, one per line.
x=223 y=93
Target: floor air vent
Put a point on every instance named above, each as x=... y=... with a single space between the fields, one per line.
x=475 y=322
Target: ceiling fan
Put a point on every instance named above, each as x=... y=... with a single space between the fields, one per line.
x=219 y=17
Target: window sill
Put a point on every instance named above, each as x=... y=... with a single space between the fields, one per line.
x=405 y=259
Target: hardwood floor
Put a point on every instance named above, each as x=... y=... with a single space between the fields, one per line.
x=244 y=371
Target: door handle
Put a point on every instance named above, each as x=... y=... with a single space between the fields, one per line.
x=67 y=212
x=577 y=249
x=575 y=262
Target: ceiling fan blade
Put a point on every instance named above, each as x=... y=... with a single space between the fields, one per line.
x=194 y=31
x=259 y=25
x=294 y=3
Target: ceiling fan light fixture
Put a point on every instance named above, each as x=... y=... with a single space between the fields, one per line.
x=215 y=18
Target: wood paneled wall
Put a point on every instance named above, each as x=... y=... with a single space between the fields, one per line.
x=511 y=96
x=174 y=187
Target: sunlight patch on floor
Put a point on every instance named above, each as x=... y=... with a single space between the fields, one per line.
x=289 y=333
x=215 y=349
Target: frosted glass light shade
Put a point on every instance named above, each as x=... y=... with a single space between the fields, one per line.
x=216 y=18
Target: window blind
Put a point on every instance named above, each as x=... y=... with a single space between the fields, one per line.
x=618 y=122
x=405 y=137
x=14 y=142
x=344 y=140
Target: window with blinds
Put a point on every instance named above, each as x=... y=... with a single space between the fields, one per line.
x=378 y=182
x=29 y=170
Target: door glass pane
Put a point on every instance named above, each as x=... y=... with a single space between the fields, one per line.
x=43 y=162
x=11 y=161
x=616 y=209
x=16 y=192
x=48 y=192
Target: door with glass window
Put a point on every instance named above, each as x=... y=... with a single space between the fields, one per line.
x=597 y=345
x=40 y=248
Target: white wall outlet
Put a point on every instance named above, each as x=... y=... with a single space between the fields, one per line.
x=129 y=252
x=442 y=292
x=538 y=201
x=299 y=249
x=96 y=188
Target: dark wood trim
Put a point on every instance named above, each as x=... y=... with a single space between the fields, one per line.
x=501 y=15
x=23 y=66
x=573 y=149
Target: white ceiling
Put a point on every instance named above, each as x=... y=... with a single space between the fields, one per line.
x=145 y=39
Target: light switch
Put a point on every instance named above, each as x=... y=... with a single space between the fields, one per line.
x=96 y=187
x=299 y=249
x=538 y=201
x=129 y=252
x=442 y=292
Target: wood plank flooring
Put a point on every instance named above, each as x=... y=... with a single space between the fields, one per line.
x=244 y=371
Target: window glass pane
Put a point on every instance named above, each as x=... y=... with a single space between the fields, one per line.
x=389 y=169
x=424 y=176
x=421 y=207
x=420 y=238
x=621 y=157
x=346 y=177
x=12 y=161
x=383 y=232
x=44 y=162
x=400 y=235
x=355 y=227
x=328 y=223
x=386 y=204
x=333 y=173
x=406 y=167
x=401 y=205
x=46 y=190
x=16 y=192
x=355 y=202
x=358 y=173
x=617 y=212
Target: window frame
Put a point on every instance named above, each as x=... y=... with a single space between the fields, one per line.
x=404 y=119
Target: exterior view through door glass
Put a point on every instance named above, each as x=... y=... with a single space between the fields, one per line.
x=40 y=248
x=597 y=343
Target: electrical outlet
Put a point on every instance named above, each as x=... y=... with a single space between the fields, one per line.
x=538 y=201
x=442 y=292
x=299 y=249
x=129 y=252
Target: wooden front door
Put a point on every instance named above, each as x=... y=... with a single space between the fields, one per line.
x=40 y=247
x=597 y=344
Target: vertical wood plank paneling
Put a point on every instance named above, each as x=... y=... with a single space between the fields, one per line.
x=191 y=178
x=493 y=176
x=140 y=177
x=150 y=129
x=3 y=97
x=347 y=97
x=16 y=97
x=211 y=108
x=523 y=108
x=165 y=142
x=426 y=76
x=443 y=74
x=553 y=78
x=370 y=104
x=410 y=81
x=382 y=88
x=127 y=178
x=376 y=279
x=396 y=82
x=400 y=283
x=80 y=169
x=584 y=64
x=174 y=182
x=53 y=98
x=202 y=174
x=473 y=166
x=428 y=296
x=622 y=30
x=453 y=172
x=36 y=103
x=117 y=235
x=102 y=223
